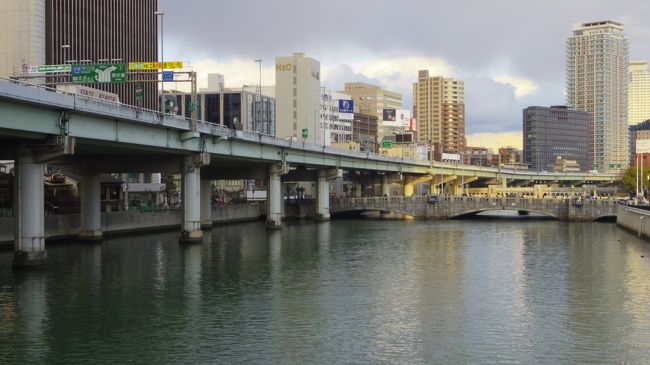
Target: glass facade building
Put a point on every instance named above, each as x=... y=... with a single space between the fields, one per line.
x=241 y=110
x=555 y=131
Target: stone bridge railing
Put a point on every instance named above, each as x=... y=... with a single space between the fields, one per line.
x=445 y=207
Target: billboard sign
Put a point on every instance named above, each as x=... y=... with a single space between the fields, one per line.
x=642 y=146
x=346 y=109
x=138 y=66
x=390 y=118
x=451 y=157
x=90 y=92
x=99 y=73
x=46 y=68
x=413 y=125
x=403 y=117
x=346 y=106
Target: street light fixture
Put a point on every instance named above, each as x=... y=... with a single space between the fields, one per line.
x=162 y=61
x=258 y=103
x=65 y=50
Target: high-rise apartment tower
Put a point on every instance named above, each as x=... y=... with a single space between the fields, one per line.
x=638 y=96
x=439 y=108
x=597 y=59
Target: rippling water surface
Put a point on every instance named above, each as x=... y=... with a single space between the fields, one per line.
x=349 y=291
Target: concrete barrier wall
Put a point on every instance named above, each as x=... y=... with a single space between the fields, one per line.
x=635 y=220
x=67 y=225
x=236 y=213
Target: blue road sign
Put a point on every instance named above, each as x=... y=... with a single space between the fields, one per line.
x=168 y=75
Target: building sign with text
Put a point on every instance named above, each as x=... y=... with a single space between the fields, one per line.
x=137 y=66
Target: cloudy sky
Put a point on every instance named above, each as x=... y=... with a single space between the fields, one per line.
x=510 y=53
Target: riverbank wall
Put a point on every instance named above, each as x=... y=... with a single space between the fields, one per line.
x=62 y=226
x=634 y=220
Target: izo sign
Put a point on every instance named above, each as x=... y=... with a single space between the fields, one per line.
x=99 y=73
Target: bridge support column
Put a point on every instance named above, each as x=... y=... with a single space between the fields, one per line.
x=191 y=187
x=358 y=190
x=385 y=186
x=323 y=201
x=90 y=227
x=274 y=198
x=206 y=203
x=408 y=188
x=29 y=213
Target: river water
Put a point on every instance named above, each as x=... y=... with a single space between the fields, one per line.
x=347 y=291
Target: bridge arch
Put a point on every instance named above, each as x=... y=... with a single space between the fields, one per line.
x=473 y=212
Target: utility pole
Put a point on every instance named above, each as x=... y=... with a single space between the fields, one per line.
x=162 y=62
x=258 y=103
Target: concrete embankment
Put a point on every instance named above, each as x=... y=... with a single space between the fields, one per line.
x=635 y=220
x=67 y=225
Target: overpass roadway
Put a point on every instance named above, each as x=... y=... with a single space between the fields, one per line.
x=40 y=125
x=31 y=112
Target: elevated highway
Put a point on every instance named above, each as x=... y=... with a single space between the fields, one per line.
x=91 y=136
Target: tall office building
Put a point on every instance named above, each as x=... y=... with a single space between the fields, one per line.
x=439 y=107
x=297 y=97
x=638 y=95
x=556 y=131
x=597 y=69
x=372 y=100
x=37 y=32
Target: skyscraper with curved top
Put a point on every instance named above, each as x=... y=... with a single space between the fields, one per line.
x=597 y=58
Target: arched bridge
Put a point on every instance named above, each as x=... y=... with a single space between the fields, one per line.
x=447 y=207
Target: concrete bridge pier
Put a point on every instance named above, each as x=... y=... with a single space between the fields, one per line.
x=90 y=227
x=411 y=181
x=206 y=204
x=323 y=200
x=385 y=186
x=29 y=213
x=191 y=187
x=358 y=190
x=274 y=198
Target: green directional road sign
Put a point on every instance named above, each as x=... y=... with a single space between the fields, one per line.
x=49 y=68
x=305 y=133
x=99 y=73
x=387 y=144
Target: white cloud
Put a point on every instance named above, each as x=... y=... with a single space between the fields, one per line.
x=523 y=87
x=237 y=72
x=496 y=140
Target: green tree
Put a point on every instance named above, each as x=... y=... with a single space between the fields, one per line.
x=170 y=184
x=629 y=178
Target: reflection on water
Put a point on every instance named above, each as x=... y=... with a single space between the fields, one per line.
x=338 y=292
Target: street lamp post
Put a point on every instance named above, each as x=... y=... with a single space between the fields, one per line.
x=162 y=61
x=65 y=52
x=258 y=103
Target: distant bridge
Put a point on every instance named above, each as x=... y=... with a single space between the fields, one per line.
x=448 y=207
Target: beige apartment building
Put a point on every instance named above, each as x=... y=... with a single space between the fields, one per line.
x=372 y=99
x=22 y=35
x=597 y=61
x=638 y=95
x=297 y=98
x=439 y=108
